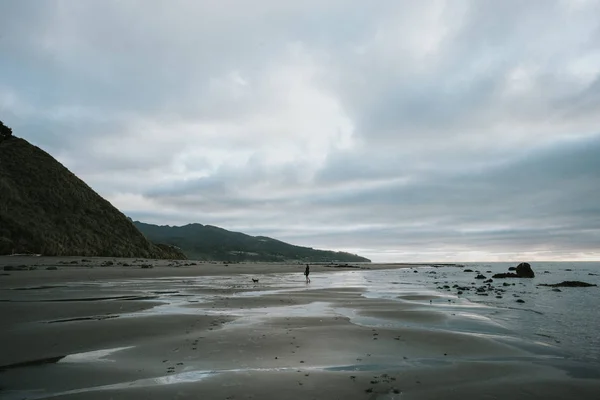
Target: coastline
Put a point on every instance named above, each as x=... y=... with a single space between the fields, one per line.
x=207 y=330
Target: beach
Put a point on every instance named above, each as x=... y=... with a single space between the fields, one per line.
x=189 y=330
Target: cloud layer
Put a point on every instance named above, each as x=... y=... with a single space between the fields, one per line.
x=400 y=130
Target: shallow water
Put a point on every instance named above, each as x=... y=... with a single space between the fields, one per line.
x=566 y=319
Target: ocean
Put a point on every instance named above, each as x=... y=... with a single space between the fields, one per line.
x=566 y=322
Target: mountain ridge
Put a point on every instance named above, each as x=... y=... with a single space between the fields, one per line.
x=213 y=243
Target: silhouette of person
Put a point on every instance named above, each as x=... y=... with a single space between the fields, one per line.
x=306 y=272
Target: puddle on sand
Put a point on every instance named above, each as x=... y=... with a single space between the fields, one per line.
x=172 y=379
x=92 y=356
x=184 y=377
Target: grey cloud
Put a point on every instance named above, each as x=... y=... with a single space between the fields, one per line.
x=467 y=124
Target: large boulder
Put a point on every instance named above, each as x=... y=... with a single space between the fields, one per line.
x=524 y=271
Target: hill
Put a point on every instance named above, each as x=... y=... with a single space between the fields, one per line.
x=46 y=209
x=206 y=242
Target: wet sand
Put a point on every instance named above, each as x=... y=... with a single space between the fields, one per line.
x=207 y=331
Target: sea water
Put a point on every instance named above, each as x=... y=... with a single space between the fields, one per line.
x=568 y=319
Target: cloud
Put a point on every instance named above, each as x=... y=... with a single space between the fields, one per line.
x=407 y=130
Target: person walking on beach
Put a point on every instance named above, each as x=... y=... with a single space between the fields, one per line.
x=306 y=272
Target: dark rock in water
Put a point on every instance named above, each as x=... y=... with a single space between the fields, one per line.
x=489 y=272
x=17 y=268
x=524 y=271
x=520 y=301
x=51 y=268
x=107 y=264
x=505 y=284
x=480 y=276
x=546 y=272
x=590 y=274
x=146 y=266
x=556 y=290
x=512 y=268
x=467 y=270
x=505 y=275
x=459 y=292
x=488 y=281
x=568 y=269
x=498 y=297
x=568 y=284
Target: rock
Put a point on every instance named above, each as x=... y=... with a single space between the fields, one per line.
x=459 y=292
x=51 y=268
x=146 y=266
x=16 y=268
x=488 y=281
x=520 y=301
x=568 y=269
x=107 y=264
x=505 y=275
x=480 y=276
x=568 y=284
x=546 y=272
x=505 y=284
x=512 y=268
x=524 y=271
x=556 y=290
x=467 y=270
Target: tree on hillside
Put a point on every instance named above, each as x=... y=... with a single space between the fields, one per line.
x=5 y=131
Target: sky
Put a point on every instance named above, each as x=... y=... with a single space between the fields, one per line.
x=398 y=130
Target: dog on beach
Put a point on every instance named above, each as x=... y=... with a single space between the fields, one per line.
x=254 y=280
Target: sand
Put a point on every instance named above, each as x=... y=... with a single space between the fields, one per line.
x=207 y=331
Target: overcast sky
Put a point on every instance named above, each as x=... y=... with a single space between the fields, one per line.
x=399 y=130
